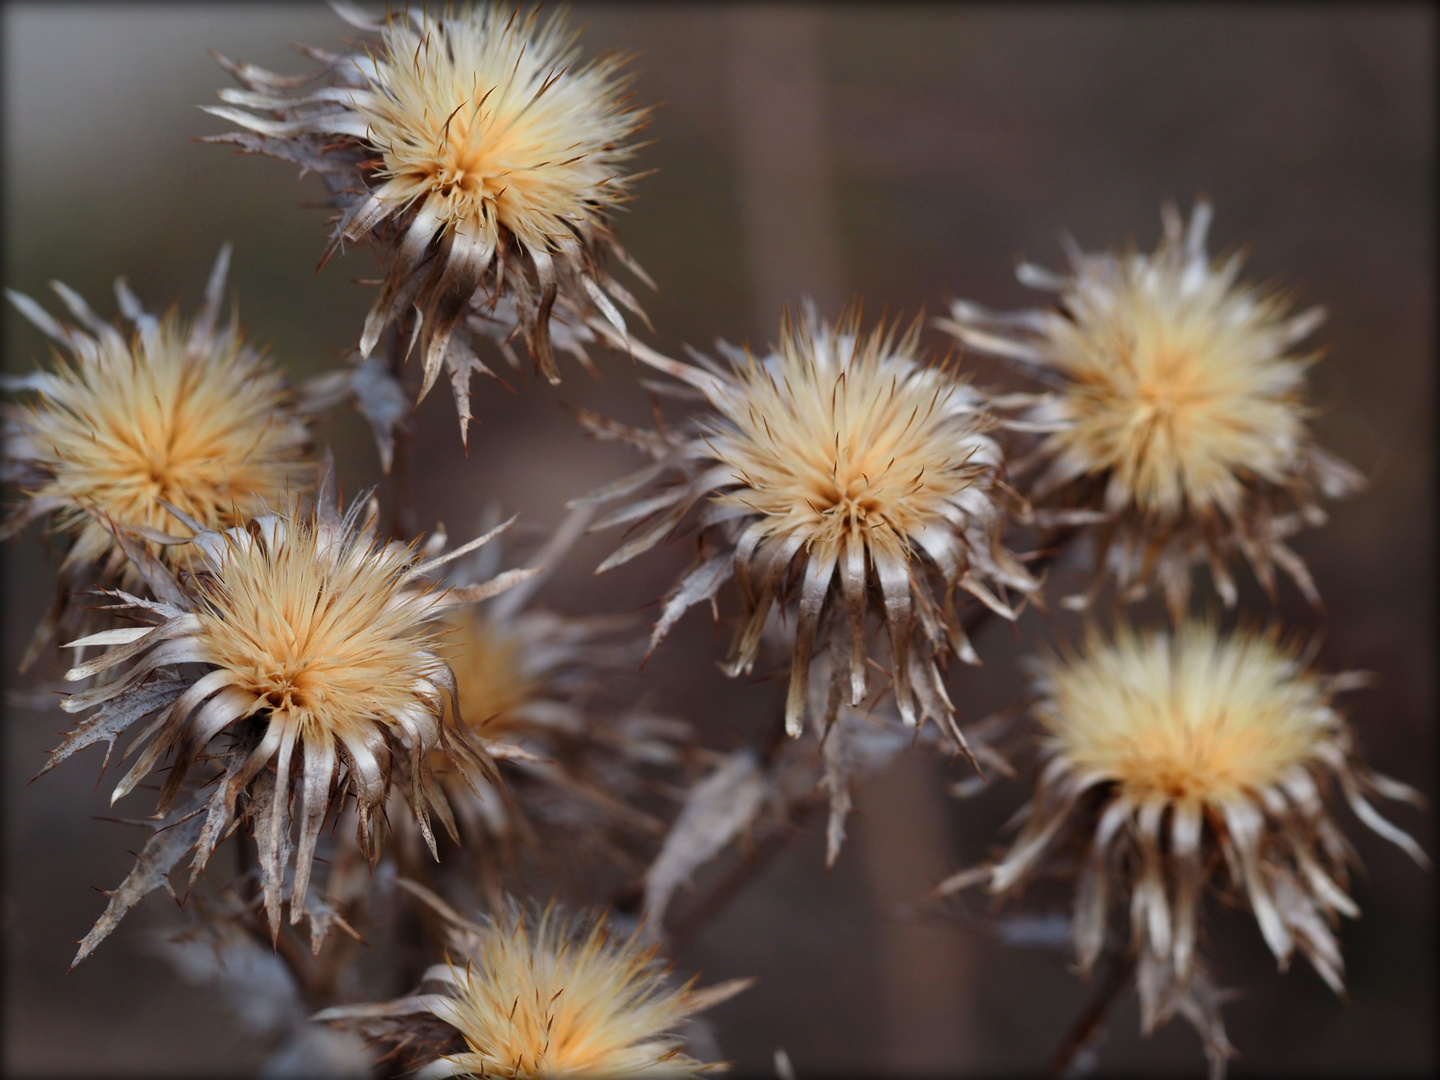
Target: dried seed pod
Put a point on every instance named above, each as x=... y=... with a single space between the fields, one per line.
x=1171 y=762
x=541 y=996
x=302 y=657
x=546 y=693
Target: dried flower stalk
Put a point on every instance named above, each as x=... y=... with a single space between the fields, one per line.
x=302 y=657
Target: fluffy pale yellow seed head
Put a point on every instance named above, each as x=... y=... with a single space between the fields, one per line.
x=208 y=431
x=1180 y=387
x=1196 y=716
x=827 y=448
x=548 y=1003
x=490 y=676
x=486 y=121
x=322 y=632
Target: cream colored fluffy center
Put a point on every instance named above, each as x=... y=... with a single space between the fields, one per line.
x=489 y=123
x=1180 y=394
x=1196 y=717
x=323 y=637
x=205 y=432
x=548 y=1006
x=826 y=450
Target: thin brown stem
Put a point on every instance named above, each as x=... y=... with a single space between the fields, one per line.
x=294 y=955
x=744 y=870
x=403 y=520
x=1089 y=1029
x=419 y=933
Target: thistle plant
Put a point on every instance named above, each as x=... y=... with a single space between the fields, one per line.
x=315 y=648
x=1178 y=429
x=388 y=734
x=1171 y=760
x=475 y=149
x=530 y=995
x=841 y=472
x=579 y=754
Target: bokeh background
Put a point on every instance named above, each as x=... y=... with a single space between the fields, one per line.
x=906 y=154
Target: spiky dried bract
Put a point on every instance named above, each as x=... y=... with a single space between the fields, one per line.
x=542 y=996
x=845 y=473
x=1162 y=752
x=186 y=414
x=1179 y=419
x=477 y=148
x=302 y=658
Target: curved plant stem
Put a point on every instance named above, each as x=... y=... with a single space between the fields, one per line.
x=797 y=813
x=1070 y=1058
x=402 y=506
x=733 y=882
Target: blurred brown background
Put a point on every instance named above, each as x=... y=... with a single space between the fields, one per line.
x=907 y=154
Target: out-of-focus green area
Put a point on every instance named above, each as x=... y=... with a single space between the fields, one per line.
x=954 y=139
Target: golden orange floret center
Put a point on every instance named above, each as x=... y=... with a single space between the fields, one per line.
x=470 y=162
x=549 y=1006
x=1198 y=718
x=484 y=122
x=323 y=637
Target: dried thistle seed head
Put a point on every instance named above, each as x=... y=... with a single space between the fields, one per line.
x=545 y=693
x=539 y=687
x=844 y=473
x=311 y=645
x=477 y=148
x=542 y=996
x=495 y=681
x=1178 y=412
x=1162 y=751
x=187 y=414
x=1202 y=719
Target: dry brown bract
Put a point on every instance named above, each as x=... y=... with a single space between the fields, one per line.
x=842 y=472
x=1165 y=755
x=542 y=997
x=478 y=151
x=296 y=636
x=189 y=415
x=1178 y=418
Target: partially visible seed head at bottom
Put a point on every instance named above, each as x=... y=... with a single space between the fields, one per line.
x=542 y=995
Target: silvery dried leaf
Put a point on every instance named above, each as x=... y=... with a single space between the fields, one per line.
x=166 y=847
x=718 y=809
x=382 y=401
